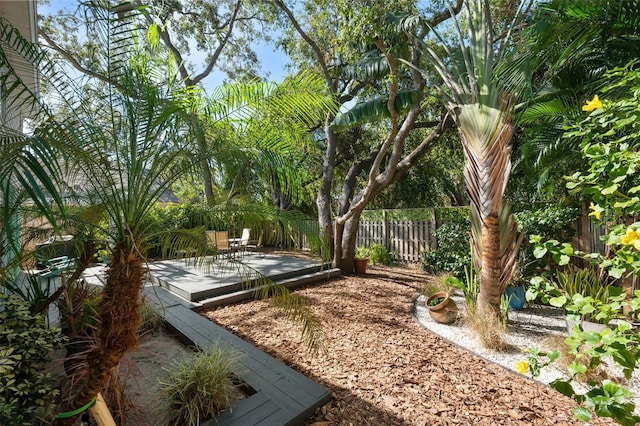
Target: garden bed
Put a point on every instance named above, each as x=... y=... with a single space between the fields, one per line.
x=384 y=367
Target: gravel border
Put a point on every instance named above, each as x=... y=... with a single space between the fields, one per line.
x=526 y=328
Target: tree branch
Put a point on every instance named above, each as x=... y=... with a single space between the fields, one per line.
x=314 y=46
x=73 y=61
x=223 y=43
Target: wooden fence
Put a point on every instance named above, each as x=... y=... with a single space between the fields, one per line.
x=406 y=238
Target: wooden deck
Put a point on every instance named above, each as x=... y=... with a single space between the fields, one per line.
x=283 y=396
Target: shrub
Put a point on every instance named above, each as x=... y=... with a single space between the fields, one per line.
x=150 y=319
x=378 y=254
x=26 y=392
x=551 y=222
x=436 y=284
x=199 y=387
x=362 y=253
x=488 y=328
x=453 y=252
x=586 y=282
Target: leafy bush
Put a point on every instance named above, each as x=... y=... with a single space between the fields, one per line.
x=453 y=252
x=199 y=387
x=550 y=222
x=362 y=253
x=26 y=392
x=608 y=143
x=378 y=254
x=470 y=287
x=586 y=282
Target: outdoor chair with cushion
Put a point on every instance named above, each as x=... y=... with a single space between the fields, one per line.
x=223 y=246
x=244 y=241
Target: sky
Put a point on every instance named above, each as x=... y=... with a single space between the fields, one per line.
x=272 y=61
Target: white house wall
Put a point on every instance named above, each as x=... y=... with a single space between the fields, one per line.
x=22 y=15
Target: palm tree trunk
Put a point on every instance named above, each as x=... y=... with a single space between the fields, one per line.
x=119 y=319
x=490 y=288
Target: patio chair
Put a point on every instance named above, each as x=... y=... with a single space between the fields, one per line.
x=211 y=240
x=222 y=244
x=255 y=245
x=53 y=267
x=244 y=241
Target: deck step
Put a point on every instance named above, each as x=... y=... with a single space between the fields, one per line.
x=291 y=282
x=208 y=279
x=283 y=396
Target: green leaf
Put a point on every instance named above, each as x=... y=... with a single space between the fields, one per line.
x=625 y=358
x=582 y=413
x=539 y=252
x=576 y=368
x=558 y=301
x=563 y=386
x=609 y=190
x=616 y=272
x=567 y=249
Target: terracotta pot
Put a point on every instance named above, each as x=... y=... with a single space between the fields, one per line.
x=446 y=311
x=360 y=265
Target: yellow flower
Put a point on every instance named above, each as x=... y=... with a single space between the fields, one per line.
x=522 y=367
x=629 y=237
x=596 y=211
x=592 y=104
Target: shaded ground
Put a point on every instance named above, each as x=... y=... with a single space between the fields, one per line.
x=384 y=368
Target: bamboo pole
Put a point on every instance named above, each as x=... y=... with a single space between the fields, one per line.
x=101 y=413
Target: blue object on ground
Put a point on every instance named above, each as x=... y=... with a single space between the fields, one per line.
x=517 y=297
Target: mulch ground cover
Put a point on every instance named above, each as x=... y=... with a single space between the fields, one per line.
x=384 y=368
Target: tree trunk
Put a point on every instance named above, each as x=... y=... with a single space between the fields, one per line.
x=495 y=244
x=119 y=319
x=201 y=143
x=490 y=288
x=323 y=200
x=347 y=243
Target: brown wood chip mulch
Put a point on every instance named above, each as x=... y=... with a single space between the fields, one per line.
x=384 y=368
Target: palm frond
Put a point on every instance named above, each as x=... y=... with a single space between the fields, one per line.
x=374 y=109
x=371 y=65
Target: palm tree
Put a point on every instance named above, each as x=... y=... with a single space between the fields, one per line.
x=484 y=113
x=124 y=143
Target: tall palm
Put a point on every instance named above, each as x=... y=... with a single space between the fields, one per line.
x=484 y=114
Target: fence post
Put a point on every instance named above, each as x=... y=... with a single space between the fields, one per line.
x=433 y=226
x=385 y=230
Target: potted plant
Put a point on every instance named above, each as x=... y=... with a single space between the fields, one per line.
x=442 y=307
x=361 y=260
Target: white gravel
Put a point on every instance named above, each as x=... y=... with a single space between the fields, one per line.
x=525 y=329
